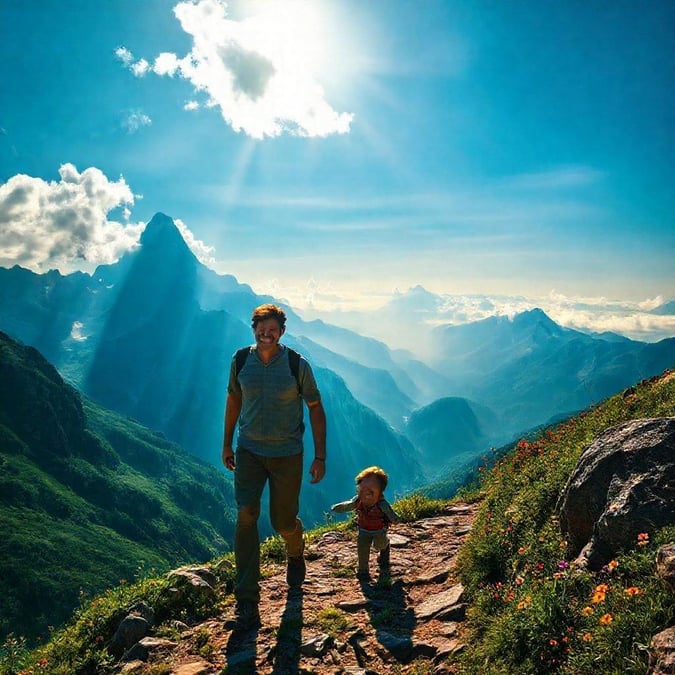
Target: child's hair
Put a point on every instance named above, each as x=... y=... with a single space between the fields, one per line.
x=380 y=474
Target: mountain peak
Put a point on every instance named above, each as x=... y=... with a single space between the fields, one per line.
x=162 y=238
x=161 y=228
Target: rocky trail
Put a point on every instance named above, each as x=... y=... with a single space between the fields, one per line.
x=336 y=623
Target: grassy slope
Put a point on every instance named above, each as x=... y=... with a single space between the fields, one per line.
x=532 y=612
x=528 y=608
x=89 y=498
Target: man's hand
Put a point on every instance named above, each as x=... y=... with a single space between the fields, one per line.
x=317 y=471
x=228 y=457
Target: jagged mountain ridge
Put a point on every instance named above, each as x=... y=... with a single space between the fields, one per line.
x=152 y=336
x=530 y=369
x=153 y=352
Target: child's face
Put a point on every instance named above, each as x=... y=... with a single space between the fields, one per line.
x=369 y=491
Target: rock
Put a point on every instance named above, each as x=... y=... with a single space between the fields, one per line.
x=622 y=485
x=317 y=646
x=662 y=653
x=441 y=603
x=132 y=667
x=143 y=609
x=352 y=605
x=194 y=668
x=196 y=575
x=461 y=531
x=141 y=650
x=665 y=564
x=400 y=647
x=190 y=587
x=398 y=540
x=436 y=576
x=453 y=613
x=131 y=630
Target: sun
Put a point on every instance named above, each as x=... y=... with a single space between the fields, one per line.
x=304 y=37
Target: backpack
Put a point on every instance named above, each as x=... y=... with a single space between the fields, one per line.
x=293 y=361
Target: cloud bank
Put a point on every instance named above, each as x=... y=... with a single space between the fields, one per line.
x=252 y=70
x=67 y=224
x=64 y=224
x=403 y=319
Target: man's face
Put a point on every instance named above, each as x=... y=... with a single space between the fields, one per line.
x=267 y=333
x=370 y=491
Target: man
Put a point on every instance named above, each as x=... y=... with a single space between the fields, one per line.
x=265 y=396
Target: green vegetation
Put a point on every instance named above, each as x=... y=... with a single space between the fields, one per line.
x=80 y=647
x=89 y=498
x=531 y=610
x=333 y=621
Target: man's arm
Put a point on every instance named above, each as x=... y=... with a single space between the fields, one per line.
x=232 y=410
x=317 y=420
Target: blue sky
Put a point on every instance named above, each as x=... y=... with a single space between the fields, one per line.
x=334 y=151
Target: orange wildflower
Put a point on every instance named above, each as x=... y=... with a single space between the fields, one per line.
x=587 y=611
x=606 y=619
x=587 y=637
x=598 y=597
x=602 y=588
x=643 y=539
x=633 y=590
x=612 y=565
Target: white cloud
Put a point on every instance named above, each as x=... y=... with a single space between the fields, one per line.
x=140 y=68
x=202 y=251
x=258 y=71
x=191 y=105
x=64 y=224
x=125 y=56
x=135 y=120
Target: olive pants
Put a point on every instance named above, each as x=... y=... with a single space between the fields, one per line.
x=378 y=539
x=285 y=478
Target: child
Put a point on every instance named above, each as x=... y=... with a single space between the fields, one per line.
x=373 y=517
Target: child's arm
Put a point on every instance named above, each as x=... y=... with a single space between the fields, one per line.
x=389 y=513
x=343 y=507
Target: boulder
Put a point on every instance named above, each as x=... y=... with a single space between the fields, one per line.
x=662 y=653
x=665 y=565
x=129 y=632
x=623 y=484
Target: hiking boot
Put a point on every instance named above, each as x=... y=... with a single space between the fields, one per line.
x=295 y=571
x=383 y=557
x=246 y=616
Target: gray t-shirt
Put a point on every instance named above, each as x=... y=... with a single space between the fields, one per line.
x=270 y=422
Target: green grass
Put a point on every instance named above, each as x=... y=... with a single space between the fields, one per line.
x=528 y=609
x=333 y=621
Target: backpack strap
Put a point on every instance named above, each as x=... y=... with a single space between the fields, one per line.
x=293 y=361
x=240 y=359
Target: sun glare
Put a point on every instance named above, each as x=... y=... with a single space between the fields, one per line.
x=301 y=36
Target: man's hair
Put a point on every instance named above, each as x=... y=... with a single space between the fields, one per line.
x=268 y=311
x=380 y=474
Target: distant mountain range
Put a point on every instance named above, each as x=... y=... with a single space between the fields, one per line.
x=152 y=336
x=530 y=369
x=88 y=497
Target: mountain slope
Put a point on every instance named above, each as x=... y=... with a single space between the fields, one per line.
x=449 y=432
x=529 y=369
x=88 y=497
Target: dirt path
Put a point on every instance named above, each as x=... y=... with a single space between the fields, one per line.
x=337 y=624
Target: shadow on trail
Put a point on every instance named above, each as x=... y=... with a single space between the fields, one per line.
x=391 y=618
x=286 y=653
x=241 y=652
